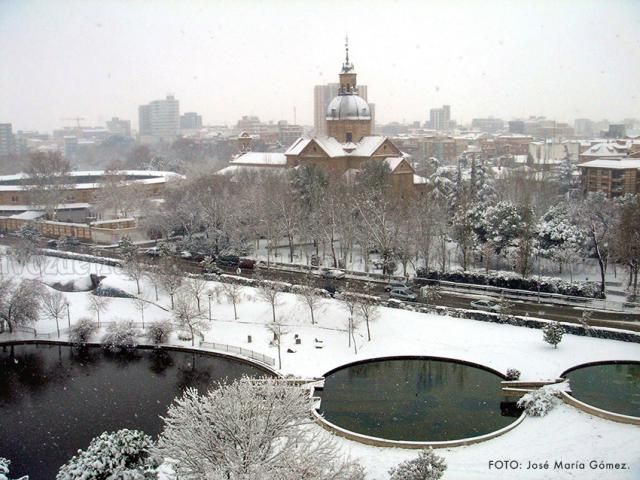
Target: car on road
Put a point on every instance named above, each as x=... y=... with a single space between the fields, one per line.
x=53 y=244
x=403 y=294
x=485 y=305
x=152 y=252
x=329 y=273
x=390 y=286
x=186 y=255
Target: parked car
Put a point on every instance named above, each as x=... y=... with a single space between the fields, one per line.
x=247 y=263
x=403 y=294
x=71 y=241
x=331 y=290
x=485 y=305
x=53 y=244
x=390 y=286
x=185 y=255
x=329 y=273
x=228 y=261
x=152 y=252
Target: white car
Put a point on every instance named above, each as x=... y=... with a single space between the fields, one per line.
x=329 y=273
x=485 y=305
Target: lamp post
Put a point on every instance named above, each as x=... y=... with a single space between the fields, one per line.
x=68 y=314
x=209 y=295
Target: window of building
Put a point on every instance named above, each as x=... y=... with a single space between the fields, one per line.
x=349 y=137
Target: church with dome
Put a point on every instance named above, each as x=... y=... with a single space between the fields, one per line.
x=348 y=144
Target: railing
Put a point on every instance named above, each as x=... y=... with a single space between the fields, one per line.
x=240 y=351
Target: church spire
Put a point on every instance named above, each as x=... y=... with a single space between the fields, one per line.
x=347 y=66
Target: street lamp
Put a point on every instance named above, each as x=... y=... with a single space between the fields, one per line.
x=209 y=295
x=68 y=314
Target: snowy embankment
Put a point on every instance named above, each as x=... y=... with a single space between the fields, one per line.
x=565 y=435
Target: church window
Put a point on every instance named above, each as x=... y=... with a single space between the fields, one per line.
x=349 y=137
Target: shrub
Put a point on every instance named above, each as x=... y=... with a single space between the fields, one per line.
x=120 y=336
x=427 y=466
x=111 y=292
x=123 y=455
x=159 y=332
x=513 y=374
x=82 y=331
x=539 y=402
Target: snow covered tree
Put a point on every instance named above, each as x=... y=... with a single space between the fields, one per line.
x=170 y=277
x=250 y=429
x=427 y=466
x=368 y=310
x=432 y=293
x=350 y=303
x=4 y=470
x=506 y=307
x=158 y=332
x=124 y=454
x=598 y=217
x=141 y=304
x=626 y=241
x=186 y=317
x=552 y=333
x=539 y=402
x=82 y=331
x=54 y=305
x=196 y=287
x=558 y=238
x=19 y=303
x=49 y=181
x=121 y=335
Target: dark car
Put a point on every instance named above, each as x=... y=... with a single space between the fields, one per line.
x=228 y=261
x=247 y=263
x=53 y=244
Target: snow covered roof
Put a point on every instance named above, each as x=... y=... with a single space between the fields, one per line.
x=147 y=177
x=260 y=158
x=23 y=208
x=393 y=162
x=28 y=215
x=602 y=150
x=333 y=148
x=612 y=163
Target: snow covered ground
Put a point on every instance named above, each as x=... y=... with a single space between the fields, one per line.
x=566 y=435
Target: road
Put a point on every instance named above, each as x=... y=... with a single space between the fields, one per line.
x=563 y=313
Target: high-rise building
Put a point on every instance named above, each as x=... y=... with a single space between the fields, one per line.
x=440 y=118
x=583 y=127
x=190 y=121
x=7 y=140
x=119 y=127
x=160 y=119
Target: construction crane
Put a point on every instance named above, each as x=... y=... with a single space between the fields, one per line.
x=75 y=119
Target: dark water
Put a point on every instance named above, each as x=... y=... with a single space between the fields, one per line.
x=612 y=386
x=415 y=399
x=55 y=399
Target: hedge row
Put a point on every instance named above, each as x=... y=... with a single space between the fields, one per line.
x=514 y=281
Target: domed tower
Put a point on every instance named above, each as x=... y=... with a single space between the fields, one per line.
x=348 y=114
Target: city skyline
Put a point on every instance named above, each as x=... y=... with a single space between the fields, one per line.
x=223 y=60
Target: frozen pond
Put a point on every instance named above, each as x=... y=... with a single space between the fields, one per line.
x=55 y=399
x=612 y=386
x=415 y=399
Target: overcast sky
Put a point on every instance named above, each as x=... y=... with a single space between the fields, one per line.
x=224 y=59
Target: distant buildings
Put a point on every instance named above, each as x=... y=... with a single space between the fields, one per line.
x=159 y=121
x=612 y=168
x=583 y=127
x=119 y=127
x=190 y=121
x=7 y=140
x=488 y=125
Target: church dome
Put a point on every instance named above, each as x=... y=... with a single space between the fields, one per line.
x=348 y=107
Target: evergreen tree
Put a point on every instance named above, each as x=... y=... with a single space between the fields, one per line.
x=427 y=466
x=552 y=333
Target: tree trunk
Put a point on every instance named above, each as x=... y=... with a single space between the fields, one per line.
x=235 y=314
x=368 y=330
x=290 y=238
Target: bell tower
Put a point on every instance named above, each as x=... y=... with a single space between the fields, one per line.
x=347 y=75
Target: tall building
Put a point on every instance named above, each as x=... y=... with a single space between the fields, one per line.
x=440 y=118
x=190 y=121
x=160 y=119
x=583 y=127
x=119 y=127
x=7 y=140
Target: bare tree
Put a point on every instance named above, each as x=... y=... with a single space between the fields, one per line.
x=98 y=305
x=196 y=287
x=250 y=429
x=351 y=303
x=368 y=309
x=53 y=306
x=170 y=277
x=268 y=292
x=309 y=296
x=19 y=303
x=140 y=303
x=186 y=316
x=49 y=181
x=278 y=329
x=233 y=293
